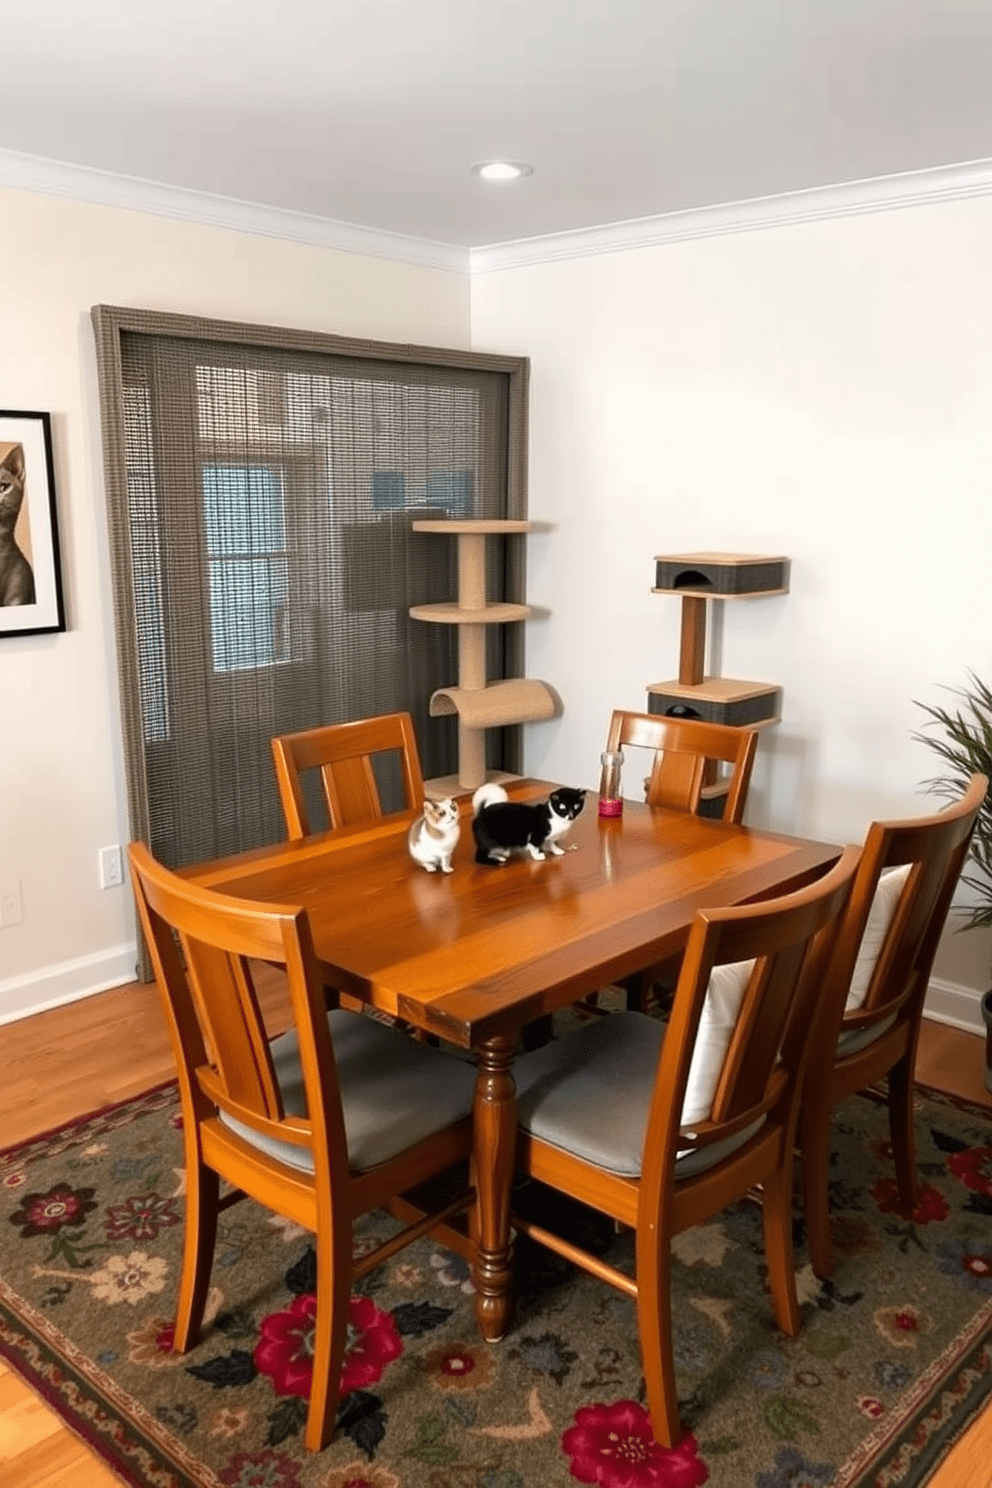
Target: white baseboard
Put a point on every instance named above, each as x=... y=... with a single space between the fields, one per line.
x=961 y=1007
x=68 y=982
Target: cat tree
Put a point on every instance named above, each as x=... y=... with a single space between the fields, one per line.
x=478 y=704
x=700 y=578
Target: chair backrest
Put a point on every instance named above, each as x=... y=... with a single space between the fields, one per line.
x=343 y=754
x=771 y=957
x=899 y=904
x=201 y=944
x=686 y=754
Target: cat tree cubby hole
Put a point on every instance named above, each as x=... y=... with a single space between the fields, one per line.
x=479 y=705
x=700 y=579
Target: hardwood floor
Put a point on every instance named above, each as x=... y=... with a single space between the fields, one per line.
x=107 y=1048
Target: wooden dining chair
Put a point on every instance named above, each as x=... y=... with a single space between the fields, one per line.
x=686 y=755
x=343 y=753
x=337 y=1116
x=872 y=1000
x=661 y=1129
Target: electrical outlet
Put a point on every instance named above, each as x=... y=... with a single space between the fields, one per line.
x=111 y=867
x=11 y=912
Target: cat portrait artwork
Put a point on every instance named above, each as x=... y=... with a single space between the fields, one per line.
x=433 y=837
x=16 y=573
x=30 y=579
x=502 y=827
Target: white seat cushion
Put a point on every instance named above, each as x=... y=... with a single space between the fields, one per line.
x=589 y=1093
x=394 y=1091
x=880 y=916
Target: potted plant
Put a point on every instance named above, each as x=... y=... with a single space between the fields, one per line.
x=962 y=738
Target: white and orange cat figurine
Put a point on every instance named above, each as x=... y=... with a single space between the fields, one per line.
x=433 y=837
x=16 y=574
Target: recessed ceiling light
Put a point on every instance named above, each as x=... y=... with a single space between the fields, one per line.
x=502 y=170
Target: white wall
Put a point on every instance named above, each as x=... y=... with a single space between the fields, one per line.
x=822 y=391
x=62 y=793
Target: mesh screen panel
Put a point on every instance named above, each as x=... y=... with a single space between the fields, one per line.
x=261 y=498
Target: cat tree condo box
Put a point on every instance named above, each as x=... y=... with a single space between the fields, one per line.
x=699 y=578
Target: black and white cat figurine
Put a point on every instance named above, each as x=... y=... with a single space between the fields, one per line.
x=433 y=837
x=16 y=575
x=502 y=827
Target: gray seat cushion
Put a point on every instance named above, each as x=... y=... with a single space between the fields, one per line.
x=857 y=1039
x=394 y=1091
x=589 y=1094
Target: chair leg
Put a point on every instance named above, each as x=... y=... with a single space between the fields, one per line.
x=815 y=1155
x=777 y=1222
x=329 y=1338
x=652 y=991
x=902 y=1130
x=536 y=1034
x=654 y=1326
x=202 y=1195
x=637 y=986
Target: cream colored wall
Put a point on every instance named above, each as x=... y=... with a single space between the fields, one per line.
x=62 y=794
x=822 y=391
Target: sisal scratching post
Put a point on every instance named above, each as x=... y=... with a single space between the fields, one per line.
x=478 y=704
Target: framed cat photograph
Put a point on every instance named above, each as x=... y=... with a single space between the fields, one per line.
x=30 y=571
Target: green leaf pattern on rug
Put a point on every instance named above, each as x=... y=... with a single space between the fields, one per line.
x=287 y=1420
x=824 y=1345
x=431 y=1445
x=788 y=1418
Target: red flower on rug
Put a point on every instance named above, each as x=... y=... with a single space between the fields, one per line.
x=902 y=1326
x=932 y=1204
x=359 y=1475
x=974 y=1168
x=260 y=1470
x=285 y=1350
x=459 y=1366
x=151 y=1344
x=613 y=1445
x=44 y=1213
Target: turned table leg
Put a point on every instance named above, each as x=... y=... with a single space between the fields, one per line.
x=495 y=1115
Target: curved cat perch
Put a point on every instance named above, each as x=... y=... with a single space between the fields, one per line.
x=479 y=704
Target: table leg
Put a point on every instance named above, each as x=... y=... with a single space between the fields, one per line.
x=495 y=1116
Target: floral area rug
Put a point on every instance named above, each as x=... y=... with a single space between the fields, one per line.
x=893 y=1360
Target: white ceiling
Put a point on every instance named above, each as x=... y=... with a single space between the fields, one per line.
x=372 y=112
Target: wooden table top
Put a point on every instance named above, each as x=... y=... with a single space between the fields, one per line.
x=479 y=952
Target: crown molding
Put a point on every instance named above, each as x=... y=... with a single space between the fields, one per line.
x=104 y=188
x=880 y=194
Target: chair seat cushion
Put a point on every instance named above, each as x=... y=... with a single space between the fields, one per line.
x=394 y=1091
x=589 y=1094
x=857 y=1039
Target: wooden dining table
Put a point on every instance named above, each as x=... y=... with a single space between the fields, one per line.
x=475 y=955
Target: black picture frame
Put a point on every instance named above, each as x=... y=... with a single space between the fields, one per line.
x=31 y=601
